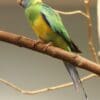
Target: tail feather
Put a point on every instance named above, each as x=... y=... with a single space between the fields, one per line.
x=74 y=47
x=75 y=77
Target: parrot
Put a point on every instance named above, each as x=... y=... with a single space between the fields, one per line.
x=48 y=27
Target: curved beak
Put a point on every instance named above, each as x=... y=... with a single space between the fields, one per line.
x=19 y=2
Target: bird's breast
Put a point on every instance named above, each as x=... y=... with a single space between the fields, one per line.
x=42 y=29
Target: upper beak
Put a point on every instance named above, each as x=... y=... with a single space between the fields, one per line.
x=19 y=2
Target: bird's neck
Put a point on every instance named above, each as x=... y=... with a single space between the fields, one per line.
x=35 y=2
x=32 y=12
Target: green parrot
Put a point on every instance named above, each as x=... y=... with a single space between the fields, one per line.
x=48 y=27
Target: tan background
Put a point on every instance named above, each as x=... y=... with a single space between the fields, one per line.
x=32 y=70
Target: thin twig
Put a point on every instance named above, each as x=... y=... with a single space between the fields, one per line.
x=33 y=92
x=72 y=12
x=10 y=85
x=98 y=16
x=90 y=37
x=99 y=55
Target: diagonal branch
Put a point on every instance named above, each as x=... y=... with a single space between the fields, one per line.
x=55 y=52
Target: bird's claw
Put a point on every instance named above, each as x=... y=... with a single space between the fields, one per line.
x=47 y=45
x=36 y=42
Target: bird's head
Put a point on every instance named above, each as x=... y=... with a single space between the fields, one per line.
x=25 y=3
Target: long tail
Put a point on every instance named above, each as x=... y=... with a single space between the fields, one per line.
x=75 y=78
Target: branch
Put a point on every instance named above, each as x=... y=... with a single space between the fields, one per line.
x=72 y=12
x=90 y=37
x=98 y=19
x=55 y=52
x=32 y=92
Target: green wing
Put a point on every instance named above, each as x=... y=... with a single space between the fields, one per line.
x=54 y=21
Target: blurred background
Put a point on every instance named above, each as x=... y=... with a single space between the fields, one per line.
x=32 y=70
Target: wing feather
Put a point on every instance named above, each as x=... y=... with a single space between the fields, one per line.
x=54 y=21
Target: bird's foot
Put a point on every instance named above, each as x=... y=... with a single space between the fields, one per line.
x=47 y=45
x=36 y=42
